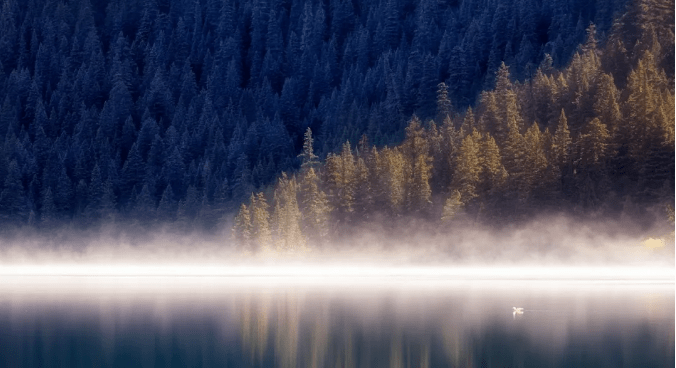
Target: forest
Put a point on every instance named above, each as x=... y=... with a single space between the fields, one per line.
x=302 y=118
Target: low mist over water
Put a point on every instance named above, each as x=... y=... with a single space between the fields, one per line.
x=549 y=293
x=552 y=240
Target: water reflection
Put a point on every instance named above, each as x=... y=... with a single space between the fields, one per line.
x=460 y=325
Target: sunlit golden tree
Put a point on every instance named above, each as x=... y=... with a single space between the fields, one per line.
x=561 y=142
x=535 y=162
x=468 y=167
x=493 y=175
x=286 y=216
x=241 y=231
x=452 y=206
x=262 y=236
x=315 y=208
x=394 y=177
x=415 y=149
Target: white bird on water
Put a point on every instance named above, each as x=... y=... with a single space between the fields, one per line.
x=516 y=311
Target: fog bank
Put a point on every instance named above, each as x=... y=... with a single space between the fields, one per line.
x=555 y=240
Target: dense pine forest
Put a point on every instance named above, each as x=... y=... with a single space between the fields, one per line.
x=593 y=139
x=331 y=112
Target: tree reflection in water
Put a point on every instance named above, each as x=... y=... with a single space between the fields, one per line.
x=297 y=327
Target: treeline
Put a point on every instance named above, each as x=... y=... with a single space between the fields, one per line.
x=161 y=111
x=578 y=140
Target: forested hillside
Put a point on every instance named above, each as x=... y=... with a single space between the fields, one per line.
x=154 y=112
x=594 y=139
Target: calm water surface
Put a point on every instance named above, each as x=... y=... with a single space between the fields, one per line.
x=232 y=322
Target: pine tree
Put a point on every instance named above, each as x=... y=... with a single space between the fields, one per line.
x=144 y=208
x=493 y=174
x=514 y=158
x=502 y=107
x=133 y=172
x=108 y=206
x=468 y=167
x=242 y=230
x=646 y=124
x=287 y=217
x=606 y=106
x=362 y=192
x=593 y=146
x=561 y=143
x=395 y=179
x=444 y=167
x=308 y=156
x=376 y=166
x=81 y=199
x=418 y=167
x=260 y=222
x=535 y=163
x=444 y=107
x=452 y=206
x=469 y=123
x=92 y=211
x=314 y=208
x=48 y=214
x=242 y=180
x=340 y=178
x=428 y=87
x=435 y=137
x=12 y=199
x=166 y=209
x=63 y=196
x=188 y=208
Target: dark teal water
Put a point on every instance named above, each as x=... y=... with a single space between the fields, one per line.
x=203 y=322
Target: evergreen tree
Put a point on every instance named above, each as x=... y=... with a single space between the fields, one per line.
x=93 y=209
x=308 y=156
x=469 y=123
x=48 y=212
x=12 y=199
x=418 y=167
x=81 y=199
x=493 y=174
x=173 y=171
x=166 y=209
x=63 y=196
x=514 y=158
x=108 y=207
x=314 y=208
x=188 y=208
x=507 y=105
x=444 y=107
x=646 y=125
x=362 y=193
x=535 y=163
x=593 y=146
x=395 y=179
x=133 y=172
x=468 y=167
x=144 y=208
x=340 y=173
x=242 y=230
x=286 y=216
x=452 y=206
x=561 y=143
x=260 y=222
x=606 y=106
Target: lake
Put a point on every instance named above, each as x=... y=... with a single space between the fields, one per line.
x=397 y=321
